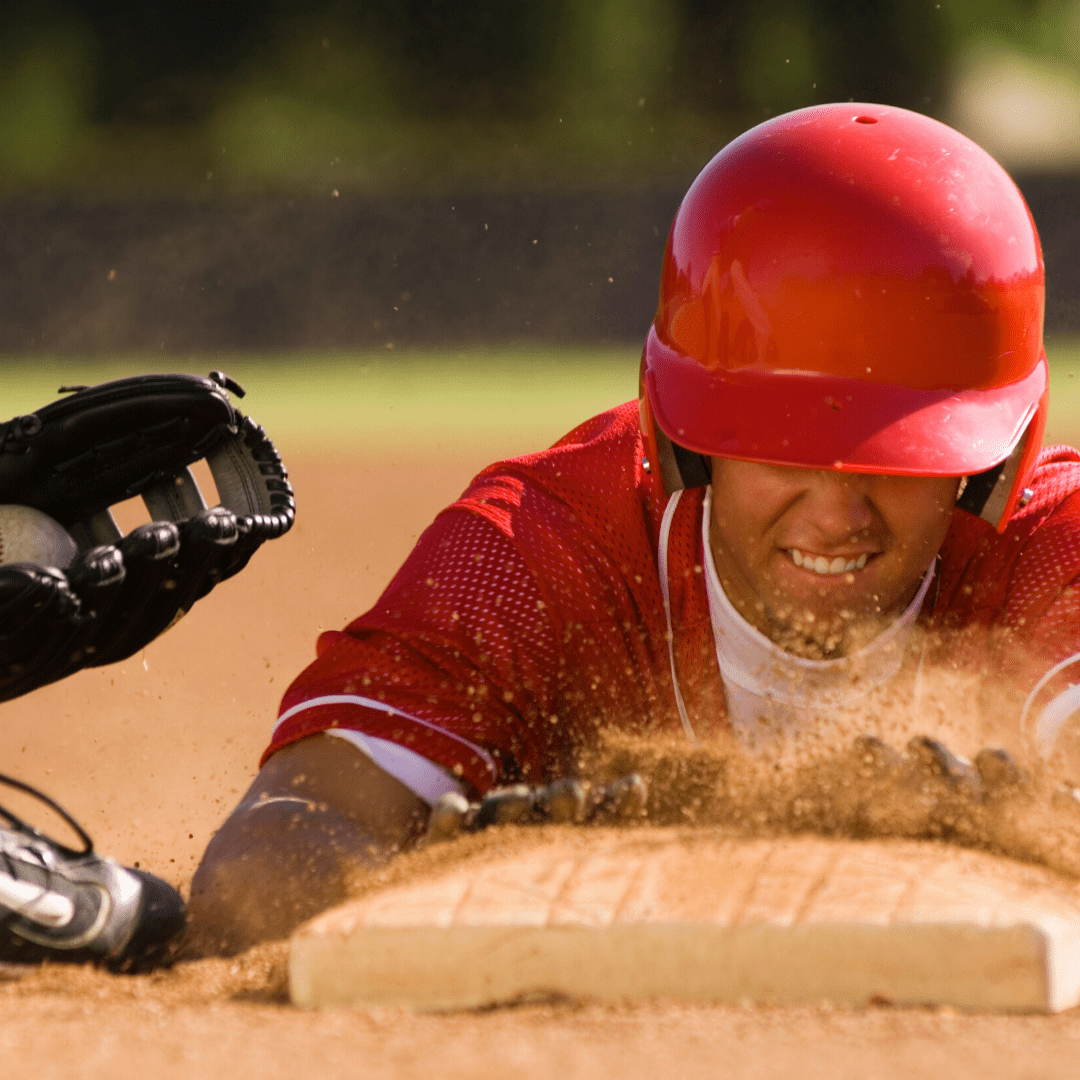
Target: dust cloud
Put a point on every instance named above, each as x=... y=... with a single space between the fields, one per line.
x=948 y=763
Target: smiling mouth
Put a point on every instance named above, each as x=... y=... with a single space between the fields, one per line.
x=818 y=564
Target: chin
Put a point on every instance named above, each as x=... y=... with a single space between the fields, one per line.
x=829 y=636
x=825 y=626
x=828 y=596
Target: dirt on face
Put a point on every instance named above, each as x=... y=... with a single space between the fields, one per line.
x=152 y=753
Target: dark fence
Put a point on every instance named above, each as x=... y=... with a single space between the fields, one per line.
x=279 y=274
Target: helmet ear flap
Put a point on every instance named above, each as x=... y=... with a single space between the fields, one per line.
x=996 y=494
x=678 y=467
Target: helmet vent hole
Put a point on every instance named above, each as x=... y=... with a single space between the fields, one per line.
x=865 y=120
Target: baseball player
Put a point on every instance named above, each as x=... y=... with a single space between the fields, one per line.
x=837 y=437
x=72 y=460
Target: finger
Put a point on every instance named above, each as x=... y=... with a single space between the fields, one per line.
x=506 y=806
x=152 y=544
x=97 y=578
x=874 y=759
x=148 y=552
x=39 y=615
x=935 y=759
x=186 y=573
x=32 y=597
x=877 y=810
x=449 y=816
x=205 y=542
x=94 y=578
x=1066 y=800
x=622 y=800
x=998 y=770
x=252 y=532
x=563 y=801
x=875 y=756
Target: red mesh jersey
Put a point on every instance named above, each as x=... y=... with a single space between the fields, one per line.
x=530 y=612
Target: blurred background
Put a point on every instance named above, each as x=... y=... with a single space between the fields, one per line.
x=266 y=177
x=425 y=234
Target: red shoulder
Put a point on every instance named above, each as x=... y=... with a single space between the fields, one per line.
x=1013 y=577
x=595 y=472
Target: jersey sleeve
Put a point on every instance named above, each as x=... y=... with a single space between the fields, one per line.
x=1042 y=620
x=528 y=617
x=454 y=662
x=1009 y=605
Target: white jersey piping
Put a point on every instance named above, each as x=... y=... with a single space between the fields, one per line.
x=662 y=566
x=1053 y=717
x=381 y=706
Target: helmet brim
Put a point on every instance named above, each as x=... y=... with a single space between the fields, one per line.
x=811 y=420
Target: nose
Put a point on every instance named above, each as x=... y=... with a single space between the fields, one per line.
x=837 y=506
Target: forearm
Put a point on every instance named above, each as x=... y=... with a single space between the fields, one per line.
x=319 y=814
x=269 y=869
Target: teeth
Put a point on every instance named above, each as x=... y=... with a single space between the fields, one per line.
x=820 y=565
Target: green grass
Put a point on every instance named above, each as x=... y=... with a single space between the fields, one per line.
x=1063 y=424
x=506 y=398
x=525 y=396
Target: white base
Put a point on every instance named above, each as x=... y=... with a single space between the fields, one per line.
x=693 y=916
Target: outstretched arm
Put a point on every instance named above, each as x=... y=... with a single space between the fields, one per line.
x=317 y=811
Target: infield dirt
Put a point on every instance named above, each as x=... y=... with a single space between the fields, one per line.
x=152 y=753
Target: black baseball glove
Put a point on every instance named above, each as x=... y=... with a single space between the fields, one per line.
x=78 y=456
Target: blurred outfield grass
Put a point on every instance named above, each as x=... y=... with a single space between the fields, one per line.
x=410 y=402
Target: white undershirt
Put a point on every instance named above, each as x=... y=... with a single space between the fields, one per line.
x=422 y=777
x=763 y=682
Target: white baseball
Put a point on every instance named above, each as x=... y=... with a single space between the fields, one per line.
x=28 y=535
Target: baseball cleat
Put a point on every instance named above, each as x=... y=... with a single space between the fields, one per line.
x=65 y=905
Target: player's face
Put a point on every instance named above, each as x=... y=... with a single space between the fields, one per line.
x=820 y=561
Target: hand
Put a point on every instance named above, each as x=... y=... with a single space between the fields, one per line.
x=928 y=790
x=567 y=801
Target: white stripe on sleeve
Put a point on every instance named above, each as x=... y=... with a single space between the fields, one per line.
x=381 y=706
x=1053 y=717
x=423 y=778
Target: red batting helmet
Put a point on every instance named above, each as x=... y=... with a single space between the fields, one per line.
x=851 y=287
